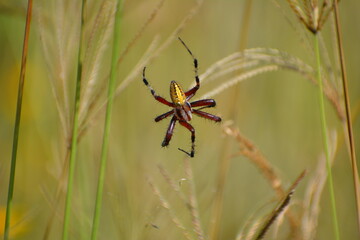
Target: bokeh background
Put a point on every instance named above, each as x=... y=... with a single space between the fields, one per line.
x=277 y=111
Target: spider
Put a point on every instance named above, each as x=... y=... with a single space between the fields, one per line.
x=183 y=109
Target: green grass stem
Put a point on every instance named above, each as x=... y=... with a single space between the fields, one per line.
x=105 y=143
x=74 y=138
x=17 y=121
x=325 y=139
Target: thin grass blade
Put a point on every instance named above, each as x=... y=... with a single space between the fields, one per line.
x=17 y=121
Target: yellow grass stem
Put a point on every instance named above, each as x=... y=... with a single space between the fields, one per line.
x=354 y=167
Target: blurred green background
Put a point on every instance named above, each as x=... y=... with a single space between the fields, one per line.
x=277 y=111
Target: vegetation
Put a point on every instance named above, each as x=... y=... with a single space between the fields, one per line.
x=288 y=131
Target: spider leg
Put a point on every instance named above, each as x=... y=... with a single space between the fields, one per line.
x=204 y=103
x=169 y=132
x=189 y=94
x=163 y=116
x=157 y=97
x=207 y=115
x=192 y=130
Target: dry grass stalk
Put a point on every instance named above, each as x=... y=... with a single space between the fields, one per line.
x=256 y=61
x=280 y=208
x=165 y=204
x=250 y=233
x=193 y=204
x=60 y=64
x=94 y=55
x=249 y=150
x=235 y=80
x=313 y=194
x=59 y=39
x=249 y=229
x=349 y=126
x=312 y=201
x=190 y=201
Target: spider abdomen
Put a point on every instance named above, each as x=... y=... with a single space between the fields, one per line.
x=177 y=94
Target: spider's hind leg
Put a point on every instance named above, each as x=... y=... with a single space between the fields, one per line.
x=203 y=103
x=207 y=115
x=192 y=130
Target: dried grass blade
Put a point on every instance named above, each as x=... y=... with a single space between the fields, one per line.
x=280 y=208
x=249 y=150
x=354 y=167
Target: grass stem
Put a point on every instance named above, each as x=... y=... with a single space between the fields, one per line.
x=17 y=121
x=105 y=143
x=354 y=167
x=74 y=138
x=224 y=162
x=325 y=139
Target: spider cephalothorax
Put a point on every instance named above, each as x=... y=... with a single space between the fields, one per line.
x=182 y=109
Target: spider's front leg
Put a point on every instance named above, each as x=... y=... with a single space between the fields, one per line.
x=157 y=97
x=189 y=94
x=192 y=130
x=169 y=132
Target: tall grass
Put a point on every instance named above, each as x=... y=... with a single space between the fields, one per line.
x=17 y=121
x=74 y=139
x=105 y=144
x=237 y=186
x=324 y=130
x=349 y=125
x=225 y=161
